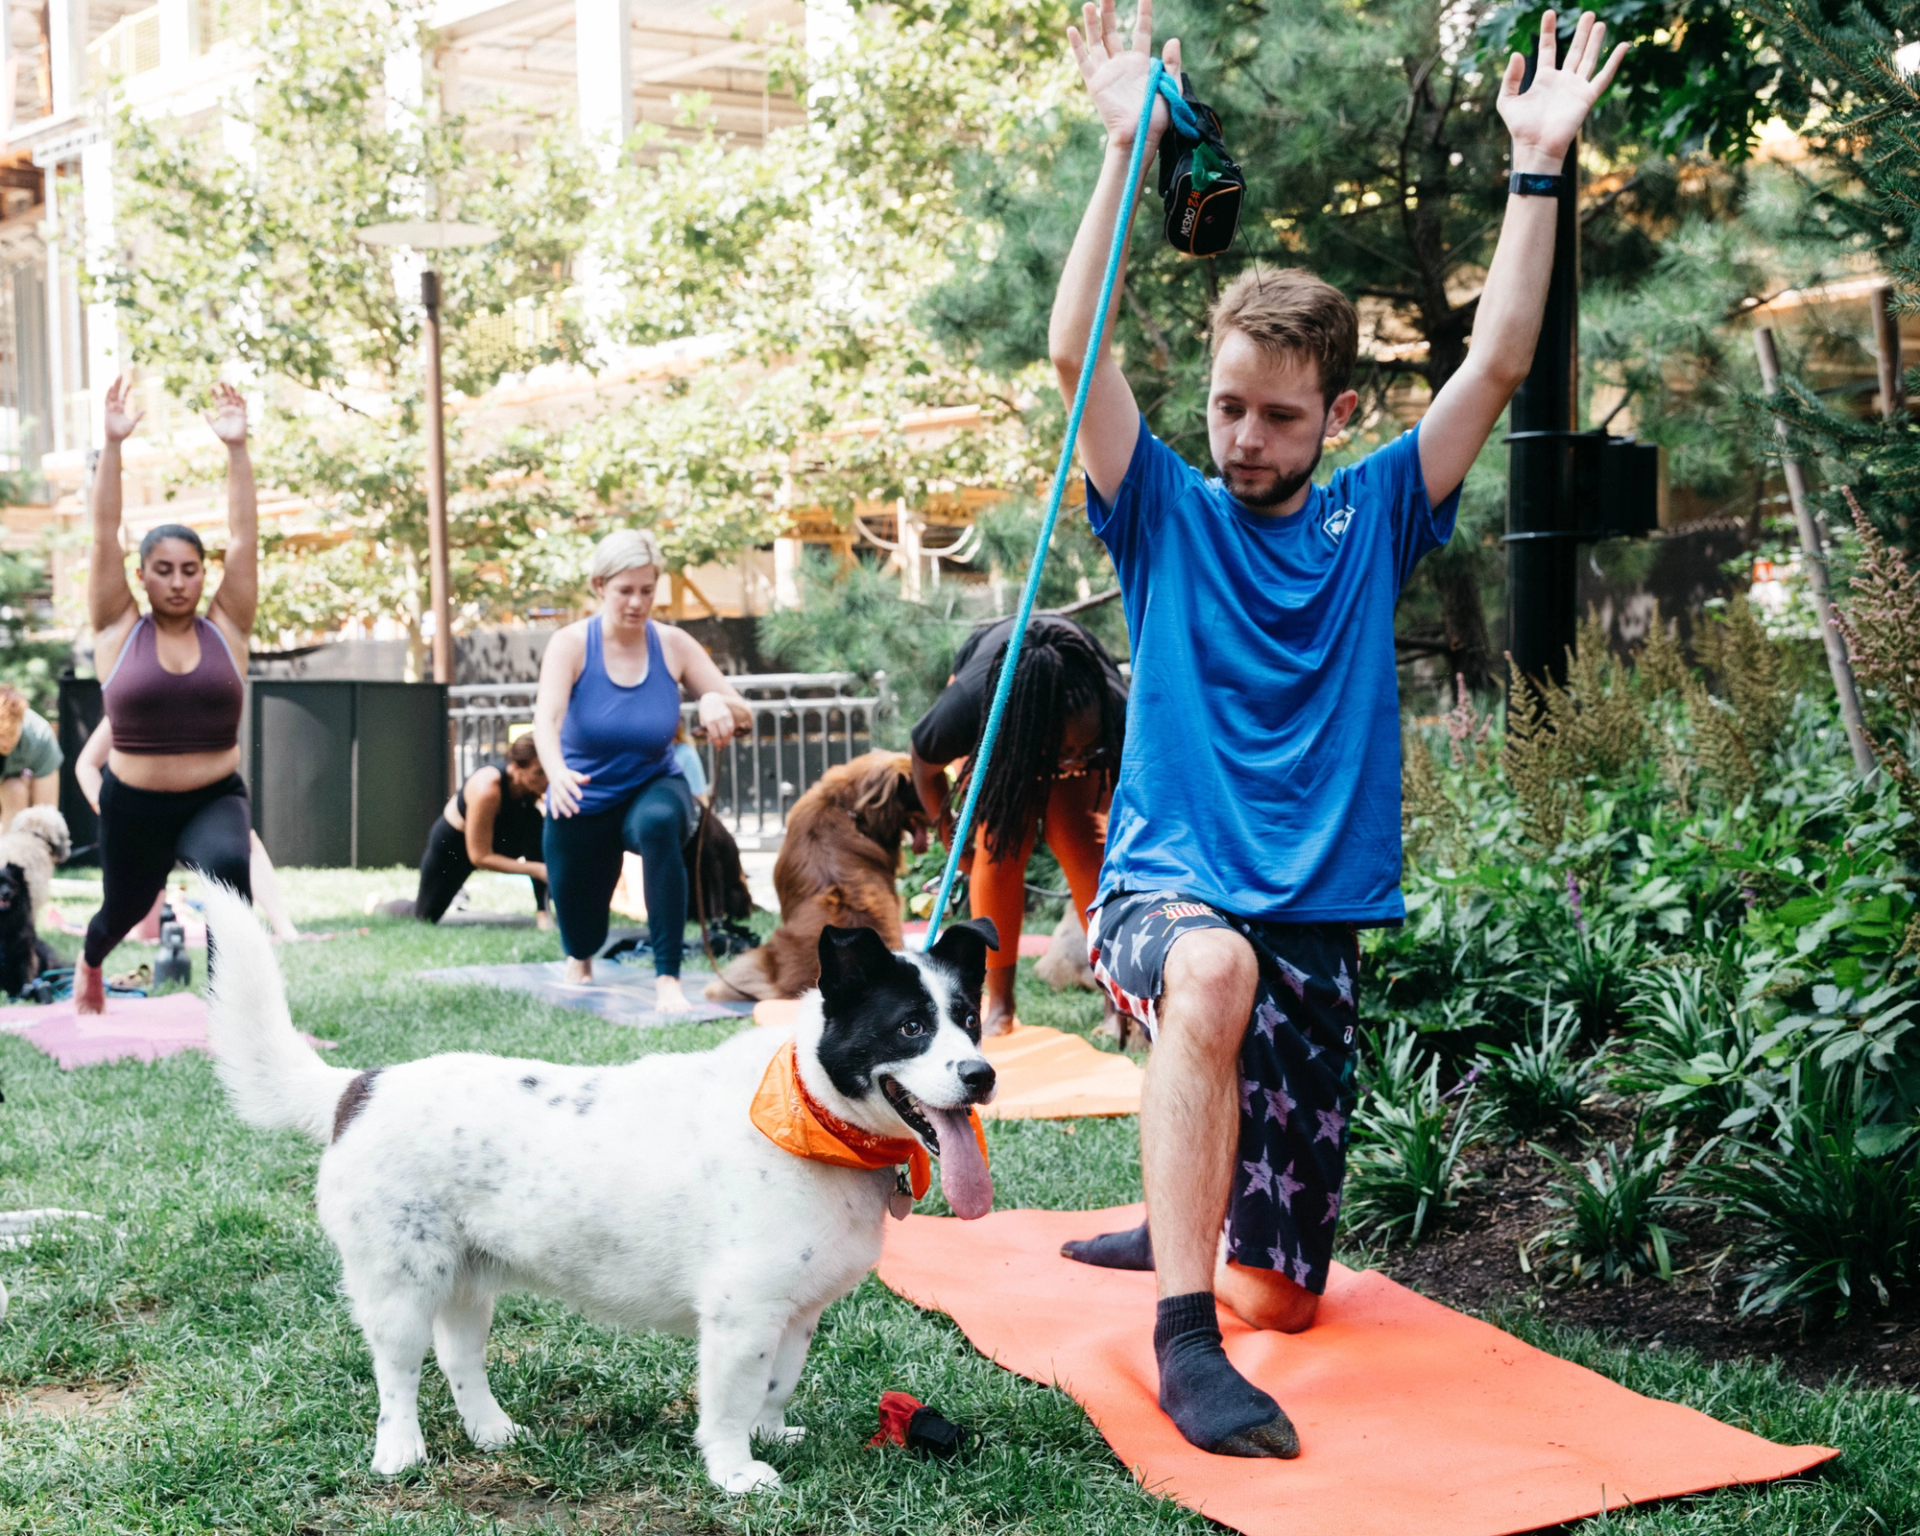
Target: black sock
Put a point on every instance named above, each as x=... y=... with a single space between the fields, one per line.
x=1132 y=1249
x=1210 y=1402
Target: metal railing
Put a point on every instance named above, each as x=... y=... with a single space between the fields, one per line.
x=803 y=724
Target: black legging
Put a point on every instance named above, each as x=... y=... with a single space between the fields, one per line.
x=145 y=832
x=445 y=867
x=584 y=863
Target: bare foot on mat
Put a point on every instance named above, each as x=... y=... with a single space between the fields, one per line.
x=579 y=972
x=89 y=989
x=668 y=998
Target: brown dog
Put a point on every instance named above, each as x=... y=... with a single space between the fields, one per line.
x=837 y=867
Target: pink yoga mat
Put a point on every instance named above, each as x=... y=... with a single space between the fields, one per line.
x=132 y=1029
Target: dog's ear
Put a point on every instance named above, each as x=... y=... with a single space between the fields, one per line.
x=880 y=783
x=964 y=946
x=851 y=959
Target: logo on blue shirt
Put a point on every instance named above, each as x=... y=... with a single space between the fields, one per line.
x=1336 y=523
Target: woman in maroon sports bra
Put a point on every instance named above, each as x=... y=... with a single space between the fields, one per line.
x=173 y=684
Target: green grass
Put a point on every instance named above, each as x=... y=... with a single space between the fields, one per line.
x=210 y=1297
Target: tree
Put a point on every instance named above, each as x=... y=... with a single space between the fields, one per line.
x=243 y=256
x=809 y=257
x=1704 y=78
x=797 y=267
x=1868 y=102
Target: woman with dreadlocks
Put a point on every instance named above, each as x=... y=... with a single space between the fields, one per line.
x=1051 y=773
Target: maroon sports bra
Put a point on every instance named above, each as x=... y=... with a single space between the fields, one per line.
x=156 y=712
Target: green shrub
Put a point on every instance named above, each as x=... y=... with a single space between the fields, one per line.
x=1592 y=966
x=853 y=619
x=1403 y=1164
x=1835 y=1206
x=1392 y=1064
x=1687 y=1047
x=1607 y=1230
x=1539 y=1084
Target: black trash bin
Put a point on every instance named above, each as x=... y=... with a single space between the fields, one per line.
x=346 y=774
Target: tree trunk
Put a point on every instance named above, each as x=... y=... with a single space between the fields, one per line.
x=1469 y=652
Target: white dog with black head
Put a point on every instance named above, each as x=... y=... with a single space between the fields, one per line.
x=641 y=1194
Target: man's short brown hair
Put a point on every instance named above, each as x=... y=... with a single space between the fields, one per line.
x=1290 y=313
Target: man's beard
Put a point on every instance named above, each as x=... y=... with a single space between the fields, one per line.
x=1283 y=489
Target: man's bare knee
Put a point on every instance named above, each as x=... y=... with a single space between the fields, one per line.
x=1212 y=965
x=1210 y=980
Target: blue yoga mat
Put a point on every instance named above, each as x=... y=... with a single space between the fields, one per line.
x=621 y=994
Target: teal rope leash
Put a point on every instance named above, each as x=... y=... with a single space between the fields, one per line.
x=1157 y=85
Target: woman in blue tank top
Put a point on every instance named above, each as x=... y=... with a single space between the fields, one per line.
x=604 y=722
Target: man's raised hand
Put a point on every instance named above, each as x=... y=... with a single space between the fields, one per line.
x=1115 y=68
x=1545 y=118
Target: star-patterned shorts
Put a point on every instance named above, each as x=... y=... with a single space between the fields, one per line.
x=1296 y=1065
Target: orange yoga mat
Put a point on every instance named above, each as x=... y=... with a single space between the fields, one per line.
x=1413 y=1418
x=1045 y=1074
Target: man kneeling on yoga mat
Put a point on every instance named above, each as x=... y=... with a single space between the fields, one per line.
x=1256 y=818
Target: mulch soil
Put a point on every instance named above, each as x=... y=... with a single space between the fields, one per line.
x=1473 y=1261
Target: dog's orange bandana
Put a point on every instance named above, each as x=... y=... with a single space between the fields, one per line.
x=795 y=1121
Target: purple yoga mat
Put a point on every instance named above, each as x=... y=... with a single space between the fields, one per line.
x=132 y=1029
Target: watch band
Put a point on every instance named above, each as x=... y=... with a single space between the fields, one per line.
x=1535 y=184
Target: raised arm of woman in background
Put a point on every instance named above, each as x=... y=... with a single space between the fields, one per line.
x=110 y=606
x=237 y=602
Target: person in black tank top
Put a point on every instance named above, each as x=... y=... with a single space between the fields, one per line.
x=492 y=822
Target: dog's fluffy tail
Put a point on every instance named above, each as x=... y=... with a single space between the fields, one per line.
x=273 y=1077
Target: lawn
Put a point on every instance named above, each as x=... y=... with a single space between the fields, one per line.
x=208 y=1376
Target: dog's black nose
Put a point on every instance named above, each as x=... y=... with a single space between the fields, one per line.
x=977 y=1078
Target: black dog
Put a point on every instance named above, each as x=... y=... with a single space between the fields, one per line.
x=717 y=886
x=23 y=953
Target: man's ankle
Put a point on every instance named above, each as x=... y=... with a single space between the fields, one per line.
x=1196 y=1311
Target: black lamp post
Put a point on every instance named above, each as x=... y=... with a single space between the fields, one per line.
x=1565 y=487
x=1542 y=552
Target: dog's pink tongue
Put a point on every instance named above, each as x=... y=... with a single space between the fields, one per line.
x=963 y=1171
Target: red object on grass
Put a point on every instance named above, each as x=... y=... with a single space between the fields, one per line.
x=896 y=1413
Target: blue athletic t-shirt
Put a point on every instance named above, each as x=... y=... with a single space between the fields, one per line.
x=1262 y=765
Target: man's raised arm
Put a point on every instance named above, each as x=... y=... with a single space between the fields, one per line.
x=1115 y=69
x=1544 y=120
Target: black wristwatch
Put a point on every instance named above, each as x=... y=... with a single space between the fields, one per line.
x=1535 y=184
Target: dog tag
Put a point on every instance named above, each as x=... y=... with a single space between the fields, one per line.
x=900 y=1202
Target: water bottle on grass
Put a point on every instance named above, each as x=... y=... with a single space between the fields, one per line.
x=171 y=964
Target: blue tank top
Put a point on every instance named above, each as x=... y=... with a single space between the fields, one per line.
x=621 y=738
